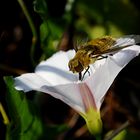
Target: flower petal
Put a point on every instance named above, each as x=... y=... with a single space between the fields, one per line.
x=29 y=81
x=124 y=56
x=127 y=40
x=104 y=74
x=68 y=93
x=55 y=70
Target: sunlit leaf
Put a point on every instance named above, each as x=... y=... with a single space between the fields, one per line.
x=25 y=123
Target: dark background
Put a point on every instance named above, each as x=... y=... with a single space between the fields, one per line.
x=86 y=19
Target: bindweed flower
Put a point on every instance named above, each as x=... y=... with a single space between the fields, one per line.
x=53 y=77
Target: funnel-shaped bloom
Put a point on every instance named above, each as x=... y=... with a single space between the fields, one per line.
x=53 y=77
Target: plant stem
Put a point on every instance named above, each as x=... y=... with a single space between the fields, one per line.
x=117 y=131
x=32 y=27
x=4 y=115
x=12 y=70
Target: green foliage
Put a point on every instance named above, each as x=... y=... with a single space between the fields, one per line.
x=25 y=121
x=40 y=6
x=127 y=135
x=51 y=29
x=50 y=35
x=108 y=14
x=90 y=18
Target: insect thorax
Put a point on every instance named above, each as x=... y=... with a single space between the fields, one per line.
x=101 y=44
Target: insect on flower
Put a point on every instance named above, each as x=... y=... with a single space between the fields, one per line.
x=86 y=97
x=97 y=49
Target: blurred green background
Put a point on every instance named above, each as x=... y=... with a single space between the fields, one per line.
x=33 y=32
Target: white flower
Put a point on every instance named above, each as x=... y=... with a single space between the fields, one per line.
x=53 y=77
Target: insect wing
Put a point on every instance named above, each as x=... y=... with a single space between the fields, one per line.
x=121 y=43
x=124 y=42
x=127 y=40
x=80 y=43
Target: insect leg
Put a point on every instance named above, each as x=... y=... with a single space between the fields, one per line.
x=102 y=57
x=111 y=54
x=86 y=72
x=80 y=76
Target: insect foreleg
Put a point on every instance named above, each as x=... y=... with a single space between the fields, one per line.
x=86 y=72
x=80 y=76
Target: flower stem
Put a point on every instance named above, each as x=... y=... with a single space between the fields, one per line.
x=117 y=131
x=32 y=27
x=4 y=115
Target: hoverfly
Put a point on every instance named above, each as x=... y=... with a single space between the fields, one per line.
x=93 y=50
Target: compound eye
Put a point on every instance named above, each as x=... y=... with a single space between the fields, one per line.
x=79 y=67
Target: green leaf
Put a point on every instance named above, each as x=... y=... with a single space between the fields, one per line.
x=55 y=130
x=25 y=121
x=47 y=40
x=51 y=29
x=40 y=7
x=24 y=124
x=127 y=135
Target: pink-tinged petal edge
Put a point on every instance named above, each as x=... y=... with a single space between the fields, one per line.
x=87 y=97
